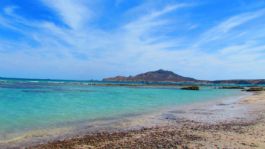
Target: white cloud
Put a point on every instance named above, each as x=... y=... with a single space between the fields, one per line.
x=73 y=12
x=138 y=45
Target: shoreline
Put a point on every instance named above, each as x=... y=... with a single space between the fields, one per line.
x=238 y=132
x=202 y=114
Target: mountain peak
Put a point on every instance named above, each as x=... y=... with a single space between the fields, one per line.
x=162 y=71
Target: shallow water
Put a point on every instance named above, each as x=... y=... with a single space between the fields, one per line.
x=33 y=105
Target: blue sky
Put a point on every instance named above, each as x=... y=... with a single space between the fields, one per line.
x=81 y=39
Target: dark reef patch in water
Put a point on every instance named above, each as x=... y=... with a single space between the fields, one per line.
x=20 y=85
x=54 y=90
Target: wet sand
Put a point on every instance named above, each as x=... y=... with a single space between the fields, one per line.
x=226 y=124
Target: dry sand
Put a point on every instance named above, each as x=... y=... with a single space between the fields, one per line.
x=239 y=124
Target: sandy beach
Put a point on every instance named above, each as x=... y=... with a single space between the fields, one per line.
x=227 y=124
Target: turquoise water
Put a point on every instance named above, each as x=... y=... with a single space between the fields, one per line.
x=26 y=106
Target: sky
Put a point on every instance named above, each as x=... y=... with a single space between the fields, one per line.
x=83 y=39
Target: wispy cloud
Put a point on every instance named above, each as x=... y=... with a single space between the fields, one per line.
x=224 y=29
x=74 y=13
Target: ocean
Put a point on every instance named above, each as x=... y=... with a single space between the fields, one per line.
x=27 y=105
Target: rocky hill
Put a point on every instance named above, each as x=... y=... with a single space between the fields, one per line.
x=153 y=76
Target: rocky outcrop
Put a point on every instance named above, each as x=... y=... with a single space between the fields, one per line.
x=191 y=88
x=255 y=89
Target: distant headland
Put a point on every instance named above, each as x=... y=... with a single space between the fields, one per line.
x=169 y=76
